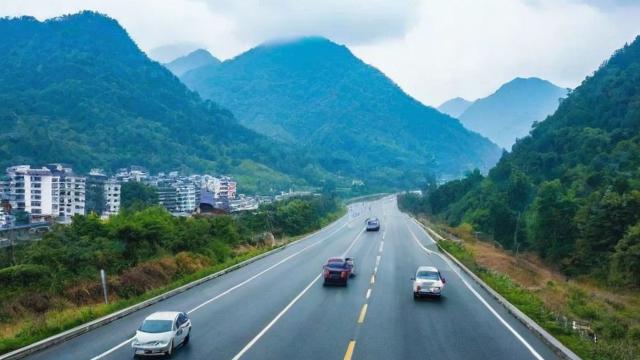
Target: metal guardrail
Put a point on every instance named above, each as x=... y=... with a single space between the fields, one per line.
x=547 y=338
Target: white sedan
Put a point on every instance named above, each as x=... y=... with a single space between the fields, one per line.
x=161 y=332
x=428 y=282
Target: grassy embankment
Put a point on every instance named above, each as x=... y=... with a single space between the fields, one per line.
x=32 y=314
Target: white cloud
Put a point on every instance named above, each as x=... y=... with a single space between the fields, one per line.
x=434 y=49
x=468 y=48
x=349 y=21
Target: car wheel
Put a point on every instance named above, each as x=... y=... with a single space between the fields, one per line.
x=186 y=339
x=415 y=296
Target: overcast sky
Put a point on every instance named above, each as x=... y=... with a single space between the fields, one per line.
x=434 y=49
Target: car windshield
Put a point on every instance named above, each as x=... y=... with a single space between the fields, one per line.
x=428 y=275
x=156 y=326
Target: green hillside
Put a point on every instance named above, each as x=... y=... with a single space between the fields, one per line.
x=77 y=89
x=316 y=94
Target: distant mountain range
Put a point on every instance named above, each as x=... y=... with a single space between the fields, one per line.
x=76 y=89
x=316 y=94
x=191 y=61
x=508 y=113
x=455 y=107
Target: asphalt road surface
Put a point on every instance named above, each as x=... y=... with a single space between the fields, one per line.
x=277 y=307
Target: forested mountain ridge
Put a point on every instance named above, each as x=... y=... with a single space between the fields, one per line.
x=77 y=89
x=572 y=187
x=193 y=60
x=510 y=111
x=455 y=107
x=317 y=94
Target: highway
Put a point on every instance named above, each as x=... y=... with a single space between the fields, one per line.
x=277 y=308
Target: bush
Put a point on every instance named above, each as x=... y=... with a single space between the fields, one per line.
x=24 y=276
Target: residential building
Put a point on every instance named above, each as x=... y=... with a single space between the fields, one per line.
x=35 y=191
x=223 y=188
x=71 y=191
x=102 y=194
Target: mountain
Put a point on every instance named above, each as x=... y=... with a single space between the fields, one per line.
x=508 y=113
x=317 y=94
x=191 y=61
x=77 y=90
x=455 y=107
x=572 y=187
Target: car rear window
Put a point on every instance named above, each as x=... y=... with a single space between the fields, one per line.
x=428 y=275
x=156 y=326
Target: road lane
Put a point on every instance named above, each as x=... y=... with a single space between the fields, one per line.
x=277 y=308
x=230 y=319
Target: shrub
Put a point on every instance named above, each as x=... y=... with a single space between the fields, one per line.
x=24 y=275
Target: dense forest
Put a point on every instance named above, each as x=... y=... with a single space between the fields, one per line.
x=141 y=249
x=571 y=190
x=355 y=121
x=77 y=90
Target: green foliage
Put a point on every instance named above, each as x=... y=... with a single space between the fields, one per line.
x=77 y=90
x=23 y=275
x=137 y=195
x=350 y=117
x=574 y=182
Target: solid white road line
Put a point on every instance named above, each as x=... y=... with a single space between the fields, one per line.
x=280 y=314
x=482 y=300
x=236 y=286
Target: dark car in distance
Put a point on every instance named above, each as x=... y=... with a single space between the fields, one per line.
x=338 y=270
x=373 y=224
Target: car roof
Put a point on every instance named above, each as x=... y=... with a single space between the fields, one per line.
x=163 y=315
x=427 y=268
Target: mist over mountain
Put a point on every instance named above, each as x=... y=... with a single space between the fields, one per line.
x=455 y=107
x=76 y=89
x=316 y=94
x=191 y=61
x=508 y=113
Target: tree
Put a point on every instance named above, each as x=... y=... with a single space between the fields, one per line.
x=136 y=195
x=625 y=262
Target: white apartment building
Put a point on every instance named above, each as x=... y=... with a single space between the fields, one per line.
x=222 y=187
x=71 y=191
x=111 y=197
x=186 y=196
x=50 y=191
x=35 y=191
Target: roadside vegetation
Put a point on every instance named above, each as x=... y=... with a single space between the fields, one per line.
x=607 y=320
x=54 y=284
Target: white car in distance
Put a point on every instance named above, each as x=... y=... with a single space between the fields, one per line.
x=161 y=332
x=428 y=282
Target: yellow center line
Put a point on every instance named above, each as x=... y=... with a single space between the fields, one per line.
x=363 y=313
x=350 y=348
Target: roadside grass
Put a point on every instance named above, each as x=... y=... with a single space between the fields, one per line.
x=554 y=302
x=26 y=331
x=36 y=328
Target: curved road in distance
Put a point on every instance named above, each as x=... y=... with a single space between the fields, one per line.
x=277 y=308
